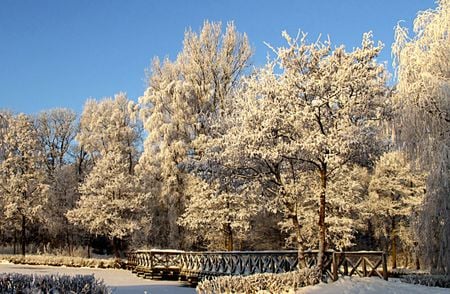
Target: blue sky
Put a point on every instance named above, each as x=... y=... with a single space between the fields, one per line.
x=58 y=53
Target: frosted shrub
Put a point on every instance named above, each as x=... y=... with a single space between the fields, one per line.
x=27 y=284
x=262 y=283
x=62 y=260
x=428 y=280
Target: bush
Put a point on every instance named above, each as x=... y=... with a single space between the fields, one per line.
x=28 y=284
x=271 y=283
x=399 y=272
x=62 y=260
x=428 y=280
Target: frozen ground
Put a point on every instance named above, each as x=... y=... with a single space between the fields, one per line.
x=370 y=286
x=120 y=281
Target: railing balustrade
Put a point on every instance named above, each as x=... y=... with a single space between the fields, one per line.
x=195 y=266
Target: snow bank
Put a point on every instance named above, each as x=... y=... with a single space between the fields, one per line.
x=370 y=285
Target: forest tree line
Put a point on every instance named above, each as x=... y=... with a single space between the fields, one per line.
x=313 y=150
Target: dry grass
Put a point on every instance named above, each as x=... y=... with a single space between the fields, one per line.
x=260 y=283
x=70 y=261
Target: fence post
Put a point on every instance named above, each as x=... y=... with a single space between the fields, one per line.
x=385 y=271
x=335 y=266
x=364 y=266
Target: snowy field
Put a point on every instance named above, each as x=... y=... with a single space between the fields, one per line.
x=370 y=286
x=120 y=281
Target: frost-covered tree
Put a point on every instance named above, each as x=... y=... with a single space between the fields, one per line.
x=307 y=129
x=396 y=194
x=109 y=204
x=56 y=129
x=222 y=218
x=423 y=105
x=338 y=97
x=182 y=98
x=23 y=187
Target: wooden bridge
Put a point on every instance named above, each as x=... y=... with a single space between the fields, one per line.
x=195 y=266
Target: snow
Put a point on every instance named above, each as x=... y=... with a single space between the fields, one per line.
x=120 y=281
x=369 y=286
x=124 y=282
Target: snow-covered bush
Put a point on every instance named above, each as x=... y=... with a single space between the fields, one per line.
x=17 y=283
x=62 y=260
x=265 y=283
x=400 y=272
x=428 y=280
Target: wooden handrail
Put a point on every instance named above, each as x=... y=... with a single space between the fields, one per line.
x=194 y=266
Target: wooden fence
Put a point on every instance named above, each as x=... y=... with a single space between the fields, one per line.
x=155 y=263
x=195 y=266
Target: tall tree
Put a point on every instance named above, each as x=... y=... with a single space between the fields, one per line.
x=396 y=193
x=307 y=129
x=109 y=205
x=423 y=106
x=181 y=98
x=23 y=179
x=221 y=218
x=338 y=97
x=56 y=129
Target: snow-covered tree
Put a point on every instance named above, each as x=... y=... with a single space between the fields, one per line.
x=423 y=106
x=338 y=97
x=109 y=204
x=180 y=101
x=56 y=129
x=23 y=187
x=219 y=217
x=306 y=129
x=396 y=194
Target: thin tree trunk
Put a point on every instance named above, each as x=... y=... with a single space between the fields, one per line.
x=228 y=237
x=394 y=245
x=301 y=248
x=116 y=249
x=417 y=261
x=89 y=247
x=322 y=228
x=15 y=240
x=23 y=240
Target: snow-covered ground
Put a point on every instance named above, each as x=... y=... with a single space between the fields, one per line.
x=120 y=281
x=370 y=286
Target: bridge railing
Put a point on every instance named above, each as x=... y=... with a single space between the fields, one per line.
x=360 y=263
x=194 y=266
x=198 y=265
x=155 y=263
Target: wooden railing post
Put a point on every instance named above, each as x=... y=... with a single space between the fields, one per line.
x=385 y=271
x=364 y=266
x=335 y=265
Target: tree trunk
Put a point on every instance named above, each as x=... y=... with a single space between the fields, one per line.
x=394 y=245
x=116 y=247
x=322 y=227
x=15 y=241
x=228 y=237
x=417 y=260
x=301 y=248
x=23 y=240
x=89 y=247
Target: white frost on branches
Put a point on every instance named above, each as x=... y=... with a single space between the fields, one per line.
x=109 y=204
x=422 y=101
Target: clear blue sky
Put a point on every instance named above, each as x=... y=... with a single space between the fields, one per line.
x=58 y=53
